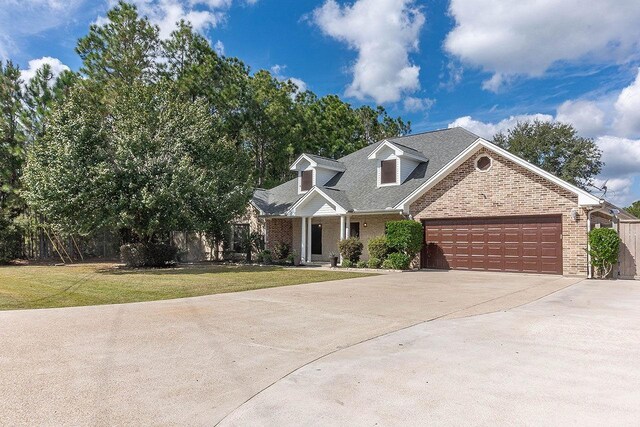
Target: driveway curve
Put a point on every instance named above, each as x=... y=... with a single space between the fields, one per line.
x=196 y=360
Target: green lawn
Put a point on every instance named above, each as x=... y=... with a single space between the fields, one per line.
x=91 y=284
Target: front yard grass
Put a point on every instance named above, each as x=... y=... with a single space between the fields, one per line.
x=24 y=287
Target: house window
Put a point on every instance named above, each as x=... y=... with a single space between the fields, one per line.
x=306 y=180
x=316 y=239
x=354 y=229
x=240 y=236
x=483 y=163
x=388 y=171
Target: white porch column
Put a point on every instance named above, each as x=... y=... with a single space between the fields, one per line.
x=348 y=228
x=303 y=240
x=342 y=231
x=309 y=239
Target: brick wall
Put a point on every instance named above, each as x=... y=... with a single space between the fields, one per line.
x=507 y=189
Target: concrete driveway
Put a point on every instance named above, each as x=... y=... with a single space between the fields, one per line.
x=196 y=361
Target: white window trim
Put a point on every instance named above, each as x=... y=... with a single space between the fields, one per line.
x=478 y=157
x=379 y=172
x=313 y=180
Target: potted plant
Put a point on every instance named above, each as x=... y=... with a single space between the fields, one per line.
x=333 y=257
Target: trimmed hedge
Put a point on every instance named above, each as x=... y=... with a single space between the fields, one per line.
x=378 y=247
x=347 y=263
x=604 y=246
x=148 y=255
x=374 y=263
x=397 y=261
x=405 y=236
x=350 y=249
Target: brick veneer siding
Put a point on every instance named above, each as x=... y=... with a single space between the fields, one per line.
x=507 y=189
x=279 y=230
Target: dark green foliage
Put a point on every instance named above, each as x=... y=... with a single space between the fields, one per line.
x=347 y=263
x=378 y=247
x=265 y=257
x=604 y=247
x=10 y=240
x=281 y=251
x=374 y=263
x=148 y=255
x=350 y=249
x=405 y=236
x=634 y=209
x=556 y=148
x=397 y=261
x=361 y=264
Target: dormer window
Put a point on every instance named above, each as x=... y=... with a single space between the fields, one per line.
x=395 y=162
x=306 y=180
x=388 y=174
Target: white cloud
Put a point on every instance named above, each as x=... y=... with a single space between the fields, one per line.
x=627 y=108
x=586 y=116
x=621 y=155
x=513 y=37
x=219 y=48
x=383 y=32
x=488 y=130
x=278 y=72
x=618 y=190
x=413 y=104
x=56 y=65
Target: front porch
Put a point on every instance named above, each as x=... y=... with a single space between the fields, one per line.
x=316 y=238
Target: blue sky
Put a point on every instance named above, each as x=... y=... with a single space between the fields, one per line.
x=436 y=63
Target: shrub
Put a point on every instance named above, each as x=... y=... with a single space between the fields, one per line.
x=148 y=254
x=10 y=240
x=281 y=250
x=350 y=249
x=405 y=236
x=347 y=263
x=361 y=264
x=378 y=247
x=374 y=262
x=265 y=257
x=604 y=244
x=397 y=261
x=291 y=260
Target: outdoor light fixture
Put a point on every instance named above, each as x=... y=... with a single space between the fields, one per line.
x=574 y=214
x=364 y=225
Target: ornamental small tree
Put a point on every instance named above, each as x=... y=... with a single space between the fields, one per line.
x=604 y=247
x=405 y=237
x=351 y=249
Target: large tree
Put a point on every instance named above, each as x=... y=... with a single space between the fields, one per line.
x=556 y=148
x=12 y=135
x=149 y=162
x=634 y=209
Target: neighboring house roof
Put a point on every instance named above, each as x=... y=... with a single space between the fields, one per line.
x=355 y=189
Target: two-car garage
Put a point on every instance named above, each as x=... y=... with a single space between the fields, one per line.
x=529 y=244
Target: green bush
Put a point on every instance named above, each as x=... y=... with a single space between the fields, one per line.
x=347 y=263
x=148 y=254
x=604 y=246
x=361 y=264
x=397 y=261
x=10 y=240
x=281 y=251
x=374 y=262
x=405 y=236
x=265 y=257
x=350 y=249
x=378 y=247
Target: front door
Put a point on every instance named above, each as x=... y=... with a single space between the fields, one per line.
x=316 y=239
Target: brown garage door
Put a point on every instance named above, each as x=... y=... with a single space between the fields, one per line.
x=520 y=244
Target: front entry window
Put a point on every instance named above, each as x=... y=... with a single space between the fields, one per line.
x=316 y=239
x=240 y=237
x=354 y=229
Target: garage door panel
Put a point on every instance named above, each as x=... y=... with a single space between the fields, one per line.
x=524 y=244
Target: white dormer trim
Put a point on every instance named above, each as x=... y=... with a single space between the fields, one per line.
x=315 y=191
x=313 y=179
x=584 y=197
x=379 y=172
x=399 y=152
x=304 y=157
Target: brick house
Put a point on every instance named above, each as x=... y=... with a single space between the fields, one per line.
x=482 y=208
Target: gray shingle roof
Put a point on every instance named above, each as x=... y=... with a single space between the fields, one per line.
x=356 y=189
x=324 y=161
